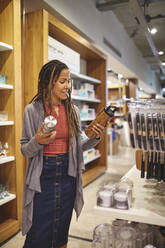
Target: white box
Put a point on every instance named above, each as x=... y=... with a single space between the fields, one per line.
x=56 y=50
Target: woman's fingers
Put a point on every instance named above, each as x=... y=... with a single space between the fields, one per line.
x=98 y=130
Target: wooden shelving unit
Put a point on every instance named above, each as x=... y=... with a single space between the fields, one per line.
x=10 y=131
x=115 y=94
x=39 y=25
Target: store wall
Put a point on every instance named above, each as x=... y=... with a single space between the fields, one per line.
x=98 y=25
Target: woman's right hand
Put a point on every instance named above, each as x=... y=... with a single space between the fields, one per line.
x=44 y=138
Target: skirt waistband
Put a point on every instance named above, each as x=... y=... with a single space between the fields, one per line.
x=57 y=157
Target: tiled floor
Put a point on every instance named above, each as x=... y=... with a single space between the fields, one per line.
x=81 y=231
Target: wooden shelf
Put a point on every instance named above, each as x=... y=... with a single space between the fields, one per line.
x=117 y=92
x=85 y=77
x=5 y=47
x=7 y=199
x=115 y=86
x=7 y=159
x=92 y=159
x=11 y=102
x=8 y=228
x=148 y=202
x=6 y=123
x=6 y=86
x=80 y=98
x=91 y=174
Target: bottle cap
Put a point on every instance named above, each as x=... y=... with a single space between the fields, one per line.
x=110 y=110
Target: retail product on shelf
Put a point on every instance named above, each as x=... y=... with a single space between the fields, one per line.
x=102 y=236
x=125 y=234
x=4 y=191
x=2 y=79
x=151 y=164
x=102 y=118
x=3 y=116
x=146 y=120
x=118 y=195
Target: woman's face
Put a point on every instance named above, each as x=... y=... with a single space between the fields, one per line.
x=61 y=86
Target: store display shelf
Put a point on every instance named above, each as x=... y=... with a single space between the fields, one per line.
x=8 y=226
x=6 y=123
x=92 y=159
x=148 y=202
x=115 y=86
x=7 y=159
x=6 y=86
x=80 y=98
x=85 y=77
x=5 y=47
x=7 y=199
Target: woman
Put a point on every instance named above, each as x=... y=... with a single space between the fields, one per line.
x=53 y=184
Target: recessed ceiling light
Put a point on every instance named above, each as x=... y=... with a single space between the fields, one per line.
x=120 y=76
x=153 y=31
x=160 y=52
x=163 y=63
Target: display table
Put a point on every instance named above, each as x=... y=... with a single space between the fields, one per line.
x=148 y=201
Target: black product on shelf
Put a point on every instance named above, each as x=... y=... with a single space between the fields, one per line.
x=159 y=168
x=143 y=165
x=163 y=171
x=131 y=130
x=148 y=176
x=156 y=165
x=161 y=133
x=138 y=130
x=155 y=132
x=143 y=128
x=149 y=131
x=152 y=165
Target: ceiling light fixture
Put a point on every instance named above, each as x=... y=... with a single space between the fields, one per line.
x=160 y=52
x=120 y=76
x=153 y=30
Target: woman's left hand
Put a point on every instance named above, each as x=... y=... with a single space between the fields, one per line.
x=98 y=130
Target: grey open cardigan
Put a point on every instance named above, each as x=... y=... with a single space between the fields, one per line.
x=32 y=120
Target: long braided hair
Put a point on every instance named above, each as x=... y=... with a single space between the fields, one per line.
x=48 y=75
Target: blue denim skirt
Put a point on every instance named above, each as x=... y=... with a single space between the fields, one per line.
x=53 y=207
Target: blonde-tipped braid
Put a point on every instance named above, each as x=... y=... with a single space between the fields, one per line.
x=74 y=126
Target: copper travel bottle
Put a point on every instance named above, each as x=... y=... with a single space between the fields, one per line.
x=102 y=118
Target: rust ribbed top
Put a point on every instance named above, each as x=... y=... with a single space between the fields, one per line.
x=61 y=141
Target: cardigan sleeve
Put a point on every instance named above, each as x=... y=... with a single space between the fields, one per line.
x=29 y=146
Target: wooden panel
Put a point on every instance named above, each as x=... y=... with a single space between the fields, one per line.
x=36 y=50
x=8 y=228
x=139 y=154
x=72 y=39
x=132 y=89
x=6 y=31
x=18 y=104
x=91 y=174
